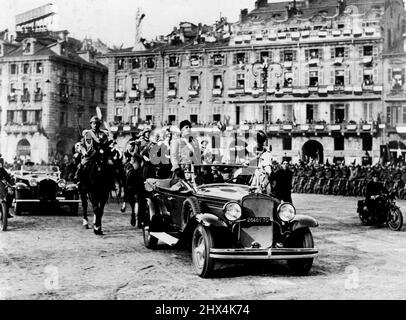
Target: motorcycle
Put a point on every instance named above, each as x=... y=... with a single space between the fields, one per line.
x=385 y=211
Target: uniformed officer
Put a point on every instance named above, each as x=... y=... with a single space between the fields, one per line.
x=185 y=150
x=95 y=145
x=262 y=176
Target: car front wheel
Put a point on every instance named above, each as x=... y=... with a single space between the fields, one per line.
x=3 y=216
x=302 y=238
x=202 y=242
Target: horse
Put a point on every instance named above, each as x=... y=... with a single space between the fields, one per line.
x=97 y=178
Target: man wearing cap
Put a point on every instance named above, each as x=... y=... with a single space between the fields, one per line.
x=185 y=150
x=95 y=144
x=374 y=189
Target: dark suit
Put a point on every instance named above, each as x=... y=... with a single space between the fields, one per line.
x=282 y=180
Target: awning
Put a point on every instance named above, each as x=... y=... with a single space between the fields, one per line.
x=305 y=33
x=347 y=32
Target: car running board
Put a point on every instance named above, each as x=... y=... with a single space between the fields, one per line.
x=165 y=237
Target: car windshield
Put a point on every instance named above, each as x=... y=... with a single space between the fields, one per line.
x=45 y=169
x=236 y=174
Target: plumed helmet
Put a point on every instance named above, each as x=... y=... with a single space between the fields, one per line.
x=95 y=119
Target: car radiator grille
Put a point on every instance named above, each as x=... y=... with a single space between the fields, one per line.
x=47 y=189
x=257 y=206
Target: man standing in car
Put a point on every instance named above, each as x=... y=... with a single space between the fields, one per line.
x=282 y=180
x=185 y=151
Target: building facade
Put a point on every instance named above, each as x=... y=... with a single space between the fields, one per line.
x=312 y=74
x=50 y=85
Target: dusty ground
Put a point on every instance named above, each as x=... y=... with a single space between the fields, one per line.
x=52 y=257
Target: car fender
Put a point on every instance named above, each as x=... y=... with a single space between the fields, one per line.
x=210 y=220
x=21 y=186
x=303 y=221
x=71 y=187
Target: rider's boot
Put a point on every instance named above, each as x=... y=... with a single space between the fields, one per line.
x=98 y=231
x=123 y=206
x=85 y=224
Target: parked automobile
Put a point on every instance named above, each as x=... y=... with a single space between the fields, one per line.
x=227 y=221
x=41 y=186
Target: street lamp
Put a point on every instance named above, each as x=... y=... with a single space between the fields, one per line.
x=275 y=68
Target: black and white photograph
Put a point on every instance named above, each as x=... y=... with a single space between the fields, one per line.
x=187 y=150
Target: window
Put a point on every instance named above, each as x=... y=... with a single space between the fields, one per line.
x=339 y=52
x=288 y=82
x=93 y=77
x=312 y=54
x=38 y=116
x=120 y=85
x=217 y=59
x=194 y=83
x=10 y=116
x=216 y=117
x=13 y=68
x=135 y=63
x=368 y=111
x=288 y=112
x=240 y=80
x=26 y=68
x=368 y=51
x=367 y=143
x=24 y=116
x=92 y=94
x=368 y=78
x=120 y=64
x=397 y=78
x=339 y=143
x=150 y=84
x=38 y=87
x=134 y=84
x=309 y=113
x=172 y=83
x=288 y=55
x=240 y=58
x=174 y=61
x=148 y=117
x=193 y=118
x=287 y=143
x=150 y=62
x=39 y=68
x=12 y=87
x=264 y=55
x=195 y=60
x=339 y=78
x=118 y=114
x=314 y=78
x=217 y=82
x=102 y=96
x=171 y=118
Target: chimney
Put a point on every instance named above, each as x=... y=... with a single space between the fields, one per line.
x=243 y=14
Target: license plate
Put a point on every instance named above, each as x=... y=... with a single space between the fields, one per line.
x=259 y=221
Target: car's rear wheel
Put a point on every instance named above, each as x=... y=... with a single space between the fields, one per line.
x=202 y=242
x=302 y=238
x=150 y=241
x=395 y=219
x=3 y=216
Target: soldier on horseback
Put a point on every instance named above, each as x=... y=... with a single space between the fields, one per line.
x=96 y=149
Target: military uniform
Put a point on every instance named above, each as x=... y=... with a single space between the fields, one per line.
x=184 y=152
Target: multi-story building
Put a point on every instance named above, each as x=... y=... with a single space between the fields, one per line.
x=310 y=73
x=50 y=85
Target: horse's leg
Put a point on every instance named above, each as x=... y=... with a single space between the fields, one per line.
x=134 y=207
x=83 y=198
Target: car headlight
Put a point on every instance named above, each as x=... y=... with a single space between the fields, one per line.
x=286 y=212
x=62 y=184
x=232 y=211
x=33 y=183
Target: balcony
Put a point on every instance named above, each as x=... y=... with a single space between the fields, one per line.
x=322 y=33
x=295 y=35
x=313 y=62
x=149 y=93
x=134 y=95
x=338 y=61
x=272 y=35
x=255 y=92
x=12 y=97
x=313 y=89
x=193 y=93
x=357 y=90
x=172 y=93
x=119 y=95
x=367 y=87
x=21 y=128
x=217 y=92
x=281 y=35
x=231 y=92
x=336 y=33
x=38 y=96
x=25 y=97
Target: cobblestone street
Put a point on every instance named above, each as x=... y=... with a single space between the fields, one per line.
x=52 y=257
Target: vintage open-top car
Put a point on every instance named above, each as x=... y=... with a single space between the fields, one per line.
x=226 y=220
x=41 y=186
